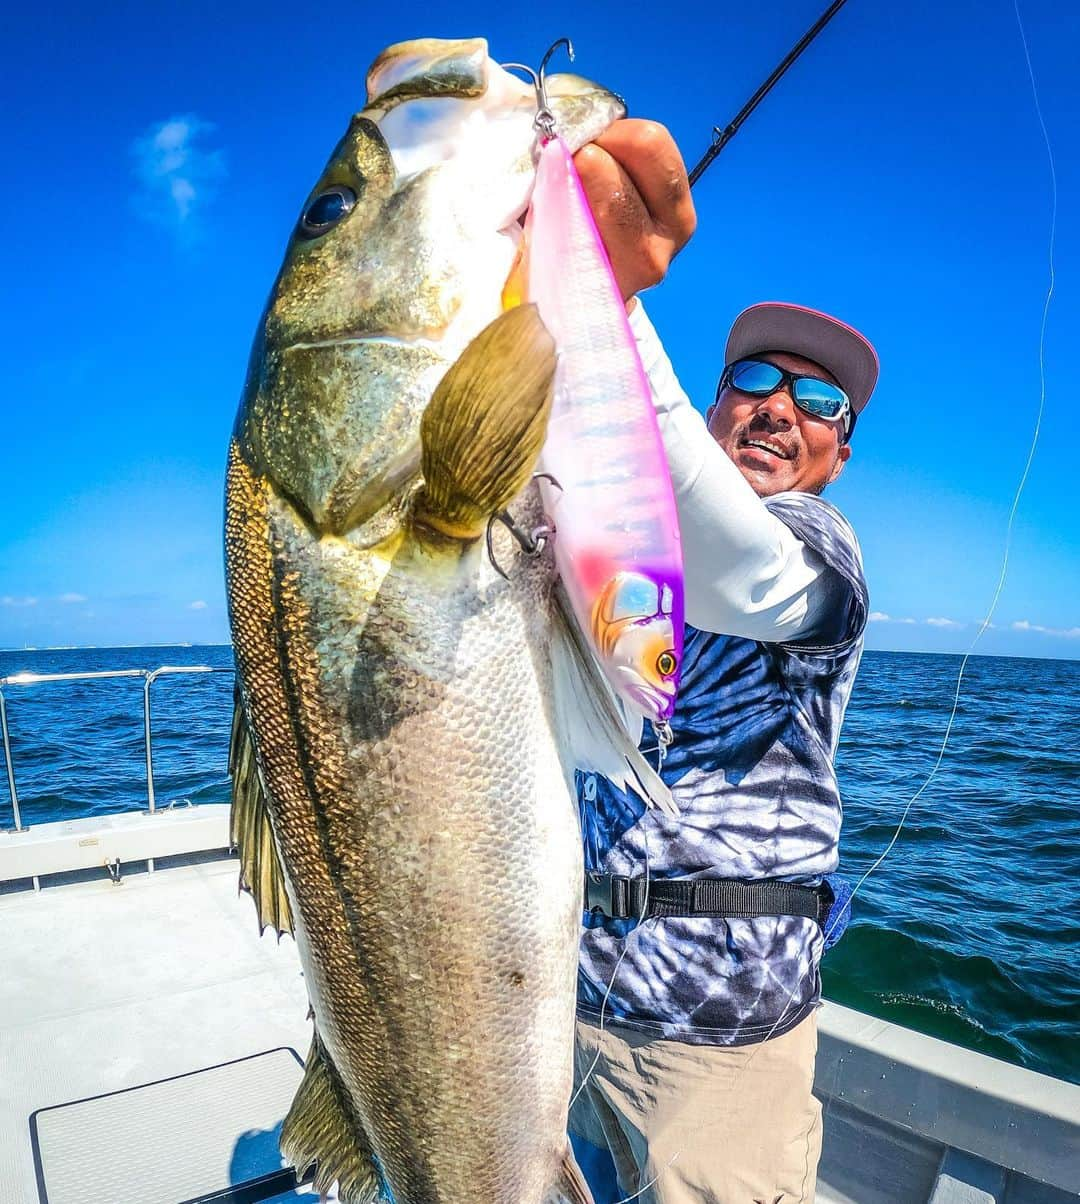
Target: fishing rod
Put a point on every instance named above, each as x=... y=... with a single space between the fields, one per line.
x=721 y=137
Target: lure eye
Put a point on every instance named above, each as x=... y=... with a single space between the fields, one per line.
x=666 y=664
x=326 y=210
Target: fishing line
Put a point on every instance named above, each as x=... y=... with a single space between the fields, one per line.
x=1016 y=497
x=986 y=622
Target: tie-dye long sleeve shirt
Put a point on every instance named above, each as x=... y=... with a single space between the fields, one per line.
x=751 y=764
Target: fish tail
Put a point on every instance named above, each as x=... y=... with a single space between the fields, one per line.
x=320 y=1128
x=482 y=432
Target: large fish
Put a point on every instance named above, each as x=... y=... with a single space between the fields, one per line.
x=410 y=720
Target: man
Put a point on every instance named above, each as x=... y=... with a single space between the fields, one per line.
x=697 y=1027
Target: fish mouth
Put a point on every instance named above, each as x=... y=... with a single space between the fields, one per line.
x=576 y=129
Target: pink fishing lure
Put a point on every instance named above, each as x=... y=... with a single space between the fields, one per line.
x=617 y=544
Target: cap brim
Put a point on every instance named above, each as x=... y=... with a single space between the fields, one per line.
x=837 y=347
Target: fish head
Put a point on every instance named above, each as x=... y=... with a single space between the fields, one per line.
x=639 y=639
x=398 y=259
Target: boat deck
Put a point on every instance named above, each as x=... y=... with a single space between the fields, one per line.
x=150 y=1042
x=109 y=987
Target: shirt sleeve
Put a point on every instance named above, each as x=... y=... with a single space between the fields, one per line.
x=747 y=572
x=829 y=535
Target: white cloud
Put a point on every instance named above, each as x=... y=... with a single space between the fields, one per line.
x=879 y=616
x=200 y=605
x=176 y=170
x=69 y=598
x=8 y=600
x=1069 y=633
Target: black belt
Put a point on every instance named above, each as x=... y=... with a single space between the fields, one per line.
x=622 y=898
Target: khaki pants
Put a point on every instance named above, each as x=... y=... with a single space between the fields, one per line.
x=702 y=1124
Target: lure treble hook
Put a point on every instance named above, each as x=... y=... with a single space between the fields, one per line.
x=532 y=543
x=544 y=121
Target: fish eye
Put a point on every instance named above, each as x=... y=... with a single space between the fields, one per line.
x=666 y=664
x=326 y=210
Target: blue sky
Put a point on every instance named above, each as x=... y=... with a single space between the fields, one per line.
x=897 y=177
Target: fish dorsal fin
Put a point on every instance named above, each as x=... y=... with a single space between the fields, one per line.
x=482 y=431
x=428 y=67
x=570 y=1187
x=320 y=1128
x=251 y=833
x=594 y=728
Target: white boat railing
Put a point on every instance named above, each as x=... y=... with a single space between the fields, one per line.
x=149 y=676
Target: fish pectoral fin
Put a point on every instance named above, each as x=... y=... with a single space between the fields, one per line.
x=570 y=1187
x=593 y=727
x=251 y=833
x=483 y=429
x=320 y=1128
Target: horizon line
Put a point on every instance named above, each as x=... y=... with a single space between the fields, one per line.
x=228 y=644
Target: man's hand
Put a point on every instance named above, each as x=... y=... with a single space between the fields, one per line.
x=635 y=181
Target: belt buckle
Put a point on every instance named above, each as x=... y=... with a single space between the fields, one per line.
x=599 y=893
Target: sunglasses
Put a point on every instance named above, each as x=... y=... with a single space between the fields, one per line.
x=813 y=396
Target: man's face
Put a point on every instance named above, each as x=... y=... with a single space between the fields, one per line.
x=774 y=444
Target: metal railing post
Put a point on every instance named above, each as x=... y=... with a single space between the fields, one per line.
x=152 y=676
x=10 y=769
x=148 y=742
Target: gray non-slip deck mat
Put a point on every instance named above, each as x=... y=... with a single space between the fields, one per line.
x=178 y=1139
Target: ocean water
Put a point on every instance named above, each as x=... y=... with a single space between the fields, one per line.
x=969 y=930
